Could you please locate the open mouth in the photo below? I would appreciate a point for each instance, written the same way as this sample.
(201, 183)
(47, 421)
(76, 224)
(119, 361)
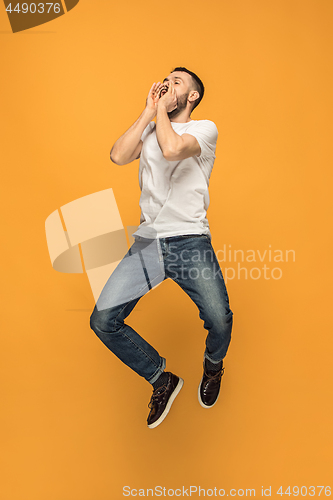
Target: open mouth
(163, 91)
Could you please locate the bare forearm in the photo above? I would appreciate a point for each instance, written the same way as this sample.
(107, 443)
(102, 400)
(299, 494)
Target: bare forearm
(169, 141)
(124, 148)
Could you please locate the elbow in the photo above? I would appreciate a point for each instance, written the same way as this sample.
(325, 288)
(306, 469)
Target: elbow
(113, 156)
(170, 155)
(115, 159)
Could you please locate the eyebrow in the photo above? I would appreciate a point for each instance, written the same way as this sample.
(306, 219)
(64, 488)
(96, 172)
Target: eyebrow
(176, 78)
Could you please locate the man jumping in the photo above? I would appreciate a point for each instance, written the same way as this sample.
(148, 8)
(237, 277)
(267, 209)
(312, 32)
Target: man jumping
(172, 241)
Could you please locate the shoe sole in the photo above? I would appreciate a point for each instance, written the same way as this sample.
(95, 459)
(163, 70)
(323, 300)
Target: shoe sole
(200, 400)
(169, 403)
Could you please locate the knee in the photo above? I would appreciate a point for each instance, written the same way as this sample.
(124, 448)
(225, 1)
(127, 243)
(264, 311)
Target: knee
(223, 318)
(227, 318)
(225, 314)
(94, 321)
(101, 322)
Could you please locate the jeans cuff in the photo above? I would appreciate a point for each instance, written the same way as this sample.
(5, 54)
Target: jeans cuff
(158, 372)
(212, 360)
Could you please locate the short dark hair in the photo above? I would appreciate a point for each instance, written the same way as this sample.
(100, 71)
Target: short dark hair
(199, 86)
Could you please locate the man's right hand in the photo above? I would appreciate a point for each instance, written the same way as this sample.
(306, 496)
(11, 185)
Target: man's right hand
(154, 96)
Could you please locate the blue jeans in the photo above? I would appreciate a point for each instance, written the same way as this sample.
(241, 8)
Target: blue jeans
(188, 260)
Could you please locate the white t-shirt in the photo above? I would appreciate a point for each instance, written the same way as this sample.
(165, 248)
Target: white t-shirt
(174, 194)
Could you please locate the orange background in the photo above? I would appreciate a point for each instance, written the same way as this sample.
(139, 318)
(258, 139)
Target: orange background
(73, 418)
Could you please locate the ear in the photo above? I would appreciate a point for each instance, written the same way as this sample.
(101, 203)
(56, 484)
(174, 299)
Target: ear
(193, 96)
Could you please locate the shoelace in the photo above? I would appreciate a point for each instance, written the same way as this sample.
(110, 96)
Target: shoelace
(156, 394)
(217, 376)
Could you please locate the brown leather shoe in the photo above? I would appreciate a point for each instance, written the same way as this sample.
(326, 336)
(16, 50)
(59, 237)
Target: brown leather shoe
(162, 399)
(209, 387)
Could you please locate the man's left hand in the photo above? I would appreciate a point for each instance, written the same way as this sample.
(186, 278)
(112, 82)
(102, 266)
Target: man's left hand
(169, 99)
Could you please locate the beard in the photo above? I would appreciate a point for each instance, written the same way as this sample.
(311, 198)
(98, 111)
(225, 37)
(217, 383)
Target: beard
(181, 105)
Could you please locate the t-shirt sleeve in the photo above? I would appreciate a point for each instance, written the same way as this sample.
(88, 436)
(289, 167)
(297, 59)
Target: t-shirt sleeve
(205, 132)
(147, 130)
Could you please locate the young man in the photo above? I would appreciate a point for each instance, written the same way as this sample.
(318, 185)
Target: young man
(173, 240)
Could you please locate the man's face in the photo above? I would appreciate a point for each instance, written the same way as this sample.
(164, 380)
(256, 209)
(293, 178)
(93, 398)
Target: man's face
(182, 83)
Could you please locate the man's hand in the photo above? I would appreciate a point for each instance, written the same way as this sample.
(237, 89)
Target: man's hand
(169, 99)
(154, 96)
(174, 147)
(128, 147)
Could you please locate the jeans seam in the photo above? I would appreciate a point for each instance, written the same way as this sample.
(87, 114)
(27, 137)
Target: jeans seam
(134, 343)
(135, 297)
(123, 333)
(151, 282)
(137, 346)
(115, 319)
